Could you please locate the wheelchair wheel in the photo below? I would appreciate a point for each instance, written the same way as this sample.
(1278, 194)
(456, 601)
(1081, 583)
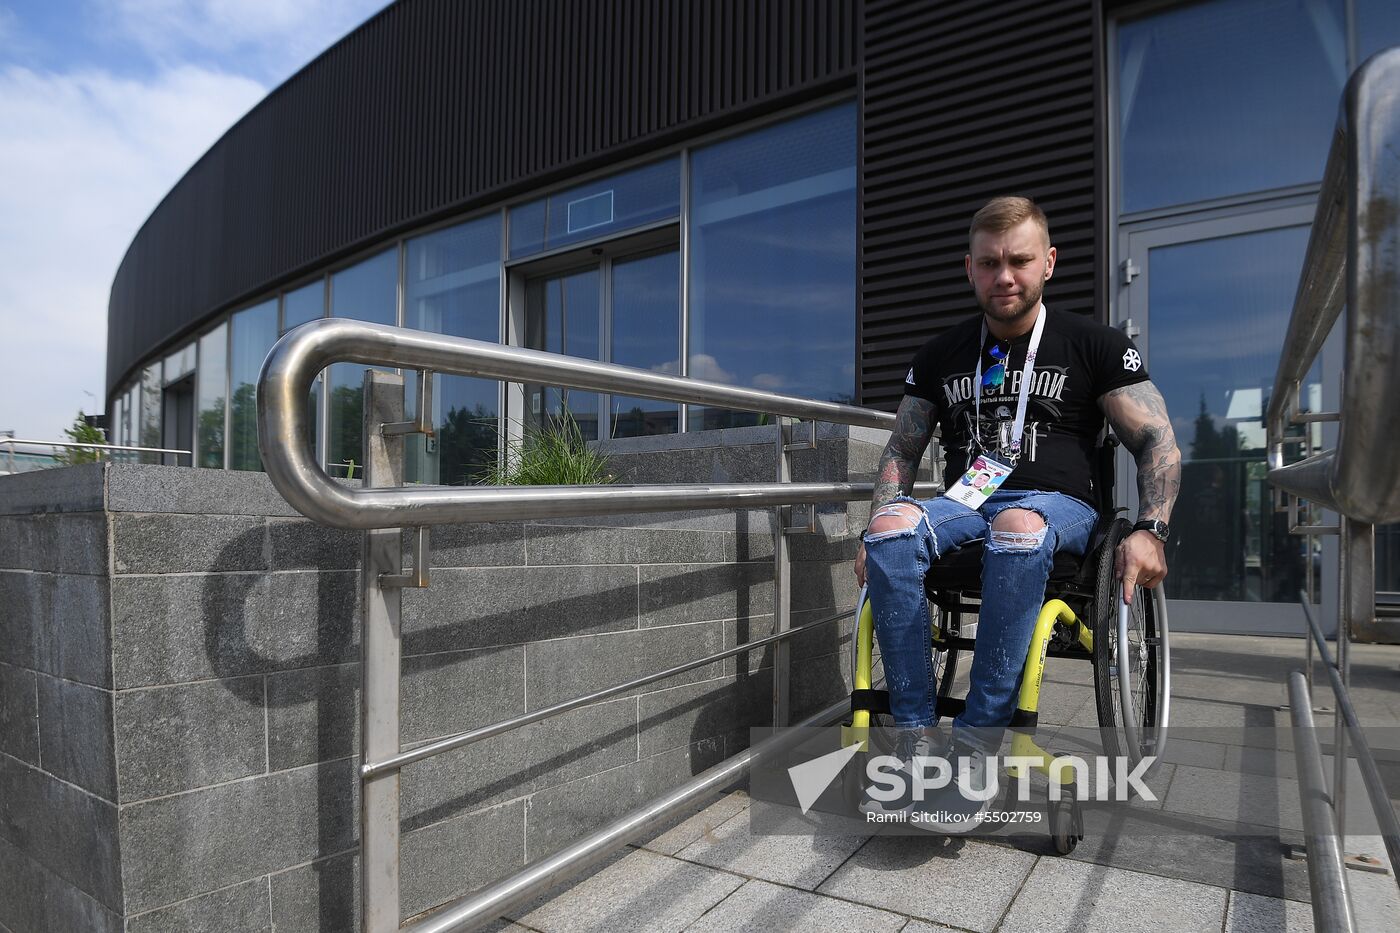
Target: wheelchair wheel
(1066, 822)
(1130, 662)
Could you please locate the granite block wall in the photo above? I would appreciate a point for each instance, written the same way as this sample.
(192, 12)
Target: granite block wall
(179, 679)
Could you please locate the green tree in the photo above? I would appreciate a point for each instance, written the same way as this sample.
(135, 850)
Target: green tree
(81, 433)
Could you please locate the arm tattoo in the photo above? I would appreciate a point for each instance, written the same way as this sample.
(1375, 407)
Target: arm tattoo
(913, 427)
(1138, 415)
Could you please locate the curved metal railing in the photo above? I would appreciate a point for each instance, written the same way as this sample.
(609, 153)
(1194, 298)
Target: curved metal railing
(283, 425)
(1352, 261)
(283, 430)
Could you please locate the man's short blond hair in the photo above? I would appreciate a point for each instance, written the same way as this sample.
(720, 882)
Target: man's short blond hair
(1001, 214)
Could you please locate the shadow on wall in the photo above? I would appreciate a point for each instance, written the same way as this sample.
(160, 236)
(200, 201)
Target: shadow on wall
(237, 646)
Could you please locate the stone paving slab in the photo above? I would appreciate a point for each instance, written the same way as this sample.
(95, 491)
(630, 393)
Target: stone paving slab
(701, 825)
(1226, 795)
(955, 881)
(1062, 895)
(641, 891)
(1251, 913)
(760, 907)
(802, 861)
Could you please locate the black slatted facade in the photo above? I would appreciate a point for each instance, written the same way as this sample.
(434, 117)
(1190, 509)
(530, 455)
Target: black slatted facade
(434, 107)
(962, 101)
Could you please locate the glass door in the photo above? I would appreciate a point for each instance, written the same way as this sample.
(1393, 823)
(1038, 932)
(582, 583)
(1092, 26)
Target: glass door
(1210, 301)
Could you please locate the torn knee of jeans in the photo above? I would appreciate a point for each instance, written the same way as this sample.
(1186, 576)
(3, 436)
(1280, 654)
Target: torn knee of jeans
(1016, 540)
(898, 509)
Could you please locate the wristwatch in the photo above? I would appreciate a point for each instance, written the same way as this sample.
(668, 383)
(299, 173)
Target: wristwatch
(1158, 528)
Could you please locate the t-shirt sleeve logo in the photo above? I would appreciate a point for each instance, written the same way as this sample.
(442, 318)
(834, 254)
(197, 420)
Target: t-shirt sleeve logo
(1131, 361)
(909, 379)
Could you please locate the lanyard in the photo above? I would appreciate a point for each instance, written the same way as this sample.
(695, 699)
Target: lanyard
(1024, 394)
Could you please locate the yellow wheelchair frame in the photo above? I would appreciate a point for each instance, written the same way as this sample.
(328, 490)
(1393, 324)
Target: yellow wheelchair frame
(1066, 821)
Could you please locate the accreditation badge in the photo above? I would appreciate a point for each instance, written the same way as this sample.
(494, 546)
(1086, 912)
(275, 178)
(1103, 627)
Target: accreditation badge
(983, 478)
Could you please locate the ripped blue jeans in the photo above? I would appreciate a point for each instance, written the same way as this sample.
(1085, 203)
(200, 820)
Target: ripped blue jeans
(1015, 567)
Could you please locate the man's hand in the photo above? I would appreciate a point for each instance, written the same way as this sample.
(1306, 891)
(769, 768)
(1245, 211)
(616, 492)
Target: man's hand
(860, 565)
(1141, 558)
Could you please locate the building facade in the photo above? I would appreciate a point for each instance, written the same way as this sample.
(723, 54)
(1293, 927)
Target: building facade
(774, 194)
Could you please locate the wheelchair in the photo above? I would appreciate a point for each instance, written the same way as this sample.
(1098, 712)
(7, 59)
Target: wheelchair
(1082, 617)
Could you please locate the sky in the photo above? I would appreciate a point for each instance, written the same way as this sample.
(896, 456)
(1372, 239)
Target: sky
(104, 105)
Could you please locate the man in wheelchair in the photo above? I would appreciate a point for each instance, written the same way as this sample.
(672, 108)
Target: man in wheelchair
(1020, 394)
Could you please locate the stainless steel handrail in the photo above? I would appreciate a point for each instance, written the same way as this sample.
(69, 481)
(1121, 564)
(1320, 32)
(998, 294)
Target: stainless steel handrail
(282, 431)
(10, 442)
(1326, 870)
(494, 900)
(524, 719)
(1365, 759)
(1353, 256)
(302, 353)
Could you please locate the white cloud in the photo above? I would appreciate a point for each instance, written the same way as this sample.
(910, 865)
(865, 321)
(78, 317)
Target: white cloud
(704, 366)
(86, 157)
(770, 382)
(269, 37)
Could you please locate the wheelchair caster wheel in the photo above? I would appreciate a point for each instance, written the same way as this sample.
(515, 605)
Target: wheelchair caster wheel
(1066, 824)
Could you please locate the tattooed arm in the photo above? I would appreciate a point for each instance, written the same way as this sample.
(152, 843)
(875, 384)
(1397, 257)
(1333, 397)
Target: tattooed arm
(1139, 418)
(913, 427)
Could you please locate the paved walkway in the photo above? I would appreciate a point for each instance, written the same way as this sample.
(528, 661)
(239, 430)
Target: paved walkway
(709, 873)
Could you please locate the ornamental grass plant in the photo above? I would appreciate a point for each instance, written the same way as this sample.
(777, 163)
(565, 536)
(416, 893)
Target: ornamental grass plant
(552, 454)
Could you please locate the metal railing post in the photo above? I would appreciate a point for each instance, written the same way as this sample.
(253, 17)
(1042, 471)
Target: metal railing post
(379, 664)
(782, 583)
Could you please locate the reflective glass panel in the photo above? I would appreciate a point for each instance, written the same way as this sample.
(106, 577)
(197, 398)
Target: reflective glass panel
(307, 303)
(1219, 309)
(179, 363)
(210, 387)
(646, 334)
(773, 262)
(453, 286)
(367, 291)
(607, 206)
(1377, 28)
(561, 316)
(1227, 97)
(130, 433)
(148, 427)
(253, 331)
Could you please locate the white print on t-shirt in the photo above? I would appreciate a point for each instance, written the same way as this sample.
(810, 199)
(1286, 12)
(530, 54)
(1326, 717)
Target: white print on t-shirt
(1049, 385)
(1131, 361)
(910, 378)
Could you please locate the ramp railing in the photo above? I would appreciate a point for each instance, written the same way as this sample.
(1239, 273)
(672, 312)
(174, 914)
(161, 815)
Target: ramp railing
(382, 508)
(1352, 261)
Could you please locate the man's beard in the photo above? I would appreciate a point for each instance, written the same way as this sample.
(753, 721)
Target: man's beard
(1028, 303)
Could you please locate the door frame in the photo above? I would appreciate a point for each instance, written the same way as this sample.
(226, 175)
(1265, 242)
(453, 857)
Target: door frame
(1135, 241)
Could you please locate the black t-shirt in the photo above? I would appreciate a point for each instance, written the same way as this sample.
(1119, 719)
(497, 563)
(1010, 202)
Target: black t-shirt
(1078, 361)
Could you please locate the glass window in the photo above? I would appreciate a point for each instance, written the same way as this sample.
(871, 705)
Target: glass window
(148, 427)
(253, 332)
(1226, 98)
(367, 291)
(211, 378)
(130, 435)
(607, 206)
(773, 262)
(562, 316)
(646, 334)
(307, 303)
(179, 364)
(453, 286)
(1227, 543)
(1377, 28)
